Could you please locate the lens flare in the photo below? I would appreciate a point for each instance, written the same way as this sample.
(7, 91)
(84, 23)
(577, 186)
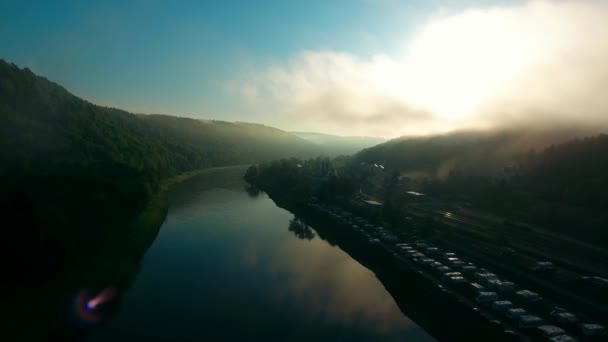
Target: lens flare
(102, 297)
(88, 308)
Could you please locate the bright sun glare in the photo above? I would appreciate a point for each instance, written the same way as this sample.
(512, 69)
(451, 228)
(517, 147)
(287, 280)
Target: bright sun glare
(456, 63)
(474, 68)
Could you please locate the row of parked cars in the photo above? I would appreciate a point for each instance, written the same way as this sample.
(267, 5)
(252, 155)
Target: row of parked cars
(515, 305)
(374, 234)
(503, 297)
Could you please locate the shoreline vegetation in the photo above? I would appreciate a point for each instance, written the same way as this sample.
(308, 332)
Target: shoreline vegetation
(151, 218)
(43, 309)
(452, 316)
(75, 174)
(502, 246)
(155, 211)
(165, 186)
(400, 282)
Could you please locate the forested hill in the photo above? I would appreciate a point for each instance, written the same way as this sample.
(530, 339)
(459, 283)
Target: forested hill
(478, 152)
(41, 117)
(69, 167)
(429, 153)
(545, 178)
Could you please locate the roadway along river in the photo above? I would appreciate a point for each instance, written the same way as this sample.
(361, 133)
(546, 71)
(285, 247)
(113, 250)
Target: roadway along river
(226, 265)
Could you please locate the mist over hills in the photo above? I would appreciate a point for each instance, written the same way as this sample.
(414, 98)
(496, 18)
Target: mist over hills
(36, 107)
(335, 145)
(71, 168)
(480, 151)
(553, 178)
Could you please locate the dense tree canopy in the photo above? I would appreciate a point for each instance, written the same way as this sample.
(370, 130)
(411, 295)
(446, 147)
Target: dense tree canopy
(564, 187)
(72, 172)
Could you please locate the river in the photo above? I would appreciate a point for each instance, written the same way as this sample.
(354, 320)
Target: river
(228, 264)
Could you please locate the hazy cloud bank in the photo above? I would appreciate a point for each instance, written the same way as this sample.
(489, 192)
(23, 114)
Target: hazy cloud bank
(541, 63)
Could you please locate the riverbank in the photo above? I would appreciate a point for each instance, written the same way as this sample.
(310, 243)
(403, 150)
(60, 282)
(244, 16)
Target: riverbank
(447, 313)
(166, 185)
(214, 241)
(44, 310)
(154, 213)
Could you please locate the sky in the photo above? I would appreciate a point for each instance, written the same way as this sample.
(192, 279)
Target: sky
(349, 67)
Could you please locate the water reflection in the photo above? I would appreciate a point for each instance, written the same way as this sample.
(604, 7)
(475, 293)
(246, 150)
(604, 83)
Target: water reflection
(301, 230)
(325, 282)
(252, 190)
(225, 268)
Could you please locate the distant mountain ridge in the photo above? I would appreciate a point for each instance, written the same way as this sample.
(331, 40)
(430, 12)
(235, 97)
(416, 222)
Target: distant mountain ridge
(335, 145)
(33, 106)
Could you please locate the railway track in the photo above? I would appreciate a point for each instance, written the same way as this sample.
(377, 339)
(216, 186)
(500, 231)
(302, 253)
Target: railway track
(532, 243)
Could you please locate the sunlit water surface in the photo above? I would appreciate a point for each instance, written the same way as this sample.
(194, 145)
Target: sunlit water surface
(226, 266)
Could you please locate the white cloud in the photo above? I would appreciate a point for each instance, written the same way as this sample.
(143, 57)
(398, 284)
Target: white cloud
(472, 68)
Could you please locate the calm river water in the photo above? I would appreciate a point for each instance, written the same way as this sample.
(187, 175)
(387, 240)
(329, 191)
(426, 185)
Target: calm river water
(226, 265)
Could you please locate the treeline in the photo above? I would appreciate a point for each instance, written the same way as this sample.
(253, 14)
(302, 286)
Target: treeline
(434, 155)
(72, 172)
(572, 173)
(299, 180)
(562, 186)
(575, 172)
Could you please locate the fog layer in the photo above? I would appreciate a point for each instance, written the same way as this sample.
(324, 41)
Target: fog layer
(541, 64)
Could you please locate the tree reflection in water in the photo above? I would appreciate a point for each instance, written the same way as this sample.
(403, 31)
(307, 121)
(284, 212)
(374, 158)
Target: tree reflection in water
(252, 190)
(301, 230)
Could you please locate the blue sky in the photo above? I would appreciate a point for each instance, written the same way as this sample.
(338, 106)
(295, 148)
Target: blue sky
(175, 55)
(184, 57)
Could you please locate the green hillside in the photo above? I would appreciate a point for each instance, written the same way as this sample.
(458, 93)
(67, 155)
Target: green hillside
(69, 168)
(548, 178)
(479, 152)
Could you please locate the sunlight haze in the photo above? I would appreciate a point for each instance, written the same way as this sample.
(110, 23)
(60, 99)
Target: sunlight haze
(372, 68)
(304, 170)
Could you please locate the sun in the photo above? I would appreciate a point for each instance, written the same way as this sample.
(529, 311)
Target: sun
(455, 64)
